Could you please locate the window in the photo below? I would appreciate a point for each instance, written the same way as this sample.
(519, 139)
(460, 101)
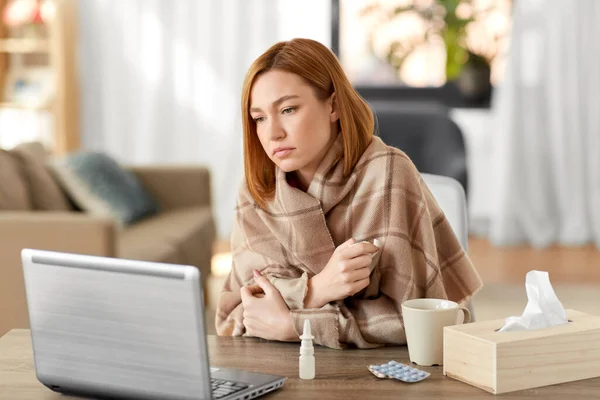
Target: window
(441, 46)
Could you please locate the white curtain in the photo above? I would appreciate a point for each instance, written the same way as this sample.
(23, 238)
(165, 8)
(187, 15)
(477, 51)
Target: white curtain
(160, 82)
(547, 128)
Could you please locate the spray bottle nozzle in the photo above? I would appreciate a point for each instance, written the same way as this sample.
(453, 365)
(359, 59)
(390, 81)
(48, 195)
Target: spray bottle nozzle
(306, 334)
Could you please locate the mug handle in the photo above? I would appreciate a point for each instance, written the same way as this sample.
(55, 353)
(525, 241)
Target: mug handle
(467, 315)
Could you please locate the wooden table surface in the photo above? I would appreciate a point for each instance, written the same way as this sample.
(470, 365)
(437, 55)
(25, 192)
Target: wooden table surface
(340, 374)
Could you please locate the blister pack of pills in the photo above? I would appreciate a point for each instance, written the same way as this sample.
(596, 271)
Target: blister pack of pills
(399, 371)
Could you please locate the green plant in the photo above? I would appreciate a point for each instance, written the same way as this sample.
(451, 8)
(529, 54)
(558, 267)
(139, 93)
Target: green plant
(445, 20)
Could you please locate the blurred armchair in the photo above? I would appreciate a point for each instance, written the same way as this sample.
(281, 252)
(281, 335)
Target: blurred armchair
(426, 133)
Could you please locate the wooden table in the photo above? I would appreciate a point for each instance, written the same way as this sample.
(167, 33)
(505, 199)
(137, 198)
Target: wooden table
(340, 374)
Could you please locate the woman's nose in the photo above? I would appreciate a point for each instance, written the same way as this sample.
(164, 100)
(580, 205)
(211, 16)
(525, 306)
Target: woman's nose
(276, 131)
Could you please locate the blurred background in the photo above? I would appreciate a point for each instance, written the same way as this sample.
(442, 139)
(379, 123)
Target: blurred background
(502, 95)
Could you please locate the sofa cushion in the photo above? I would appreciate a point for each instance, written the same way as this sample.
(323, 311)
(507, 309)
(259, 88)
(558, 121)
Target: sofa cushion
(14, 194)
(99, 185)
(45, 192)
(147, 248)
(187, 232)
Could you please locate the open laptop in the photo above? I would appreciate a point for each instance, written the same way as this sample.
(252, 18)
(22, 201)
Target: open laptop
(112, 328)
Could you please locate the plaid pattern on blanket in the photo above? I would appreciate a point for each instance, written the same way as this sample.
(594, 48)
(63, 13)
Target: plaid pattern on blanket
(291, 240)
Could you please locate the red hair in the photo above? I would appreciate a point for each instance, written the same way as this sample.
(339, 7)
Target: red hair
(319, 67)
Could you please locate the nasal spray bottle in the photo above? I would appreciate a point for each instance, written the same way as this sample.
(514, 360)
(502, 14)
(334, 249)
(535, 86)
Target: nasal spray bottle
(307, 353)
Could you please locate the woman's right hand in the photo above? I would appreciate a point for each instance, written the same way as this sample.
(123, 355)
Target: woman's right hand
(346, 274)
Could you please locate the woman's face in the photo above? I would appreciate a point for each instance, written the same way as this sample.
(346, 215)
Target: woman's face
(295, 127)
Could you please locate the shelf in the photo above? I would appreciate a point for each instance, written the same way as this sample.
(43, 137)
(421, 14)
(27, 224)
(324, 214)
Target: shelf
(24, 46)
(47, 58)
(17, 106)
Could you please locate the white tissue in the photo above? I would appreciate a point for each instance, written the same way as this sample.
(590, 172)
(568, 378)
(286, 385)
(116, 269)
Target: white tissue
(543, 307)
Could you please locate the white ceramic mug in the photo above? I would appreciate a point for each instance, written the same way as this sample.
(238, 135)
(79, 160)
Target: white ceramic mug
(424, 322)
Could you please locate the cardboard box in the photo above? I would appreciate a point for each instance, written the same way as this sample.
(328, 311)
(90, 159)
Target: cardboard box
(501, 362)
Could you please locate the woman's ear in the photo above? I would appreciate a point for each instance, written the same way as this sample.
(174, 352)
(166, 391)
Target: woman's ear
(335, 113)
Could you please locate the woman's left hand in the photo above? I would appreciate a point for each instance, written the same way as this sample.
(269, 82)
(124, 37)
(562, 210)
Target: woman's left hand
(265, 313)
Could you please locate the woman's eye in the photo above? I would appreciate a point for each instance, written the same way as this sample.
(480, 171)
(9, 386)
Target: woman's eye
(259, 119)
(288, 110)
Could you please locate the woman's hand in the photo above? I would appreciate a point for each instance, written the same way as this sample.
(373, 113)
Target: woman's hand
(265, 313)
(346, 274)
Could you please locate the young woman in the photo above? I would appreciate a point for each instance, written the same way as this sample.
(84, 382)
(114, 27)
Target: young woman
(319, 188)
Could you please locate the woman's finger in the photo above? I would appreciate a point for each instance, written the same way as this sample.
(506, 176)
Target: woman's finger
(359, 274)
(359, 249)
(359, 262)
(254, 289)
(246, 295)
(346, 244)
(360, 285)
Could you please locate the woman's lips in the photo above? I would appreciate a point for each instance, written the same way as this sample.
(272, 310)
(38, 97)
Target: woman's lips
(280, 153)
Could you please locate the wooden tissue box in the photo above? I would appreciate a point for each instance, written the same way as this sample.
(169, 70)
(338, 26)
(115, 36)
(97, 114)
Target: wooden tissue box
(501, 362)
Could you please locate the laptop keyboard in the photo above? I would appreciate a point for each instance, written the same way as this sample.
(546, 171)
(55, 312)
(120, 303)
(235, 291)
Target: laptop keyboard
(221, 388)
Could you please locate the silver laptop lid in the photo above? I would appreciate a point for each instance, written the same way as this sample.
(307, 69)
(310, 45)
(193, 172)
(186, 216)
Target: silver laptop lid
(116, 327)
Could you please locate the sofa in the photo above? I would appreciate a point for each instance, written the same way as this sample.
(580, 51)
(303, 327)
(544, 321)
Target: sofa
(36, 212)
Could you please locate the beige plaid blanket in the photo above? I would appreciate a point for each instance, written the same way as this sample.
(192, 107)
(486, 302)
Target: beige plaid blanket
(384, 198)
